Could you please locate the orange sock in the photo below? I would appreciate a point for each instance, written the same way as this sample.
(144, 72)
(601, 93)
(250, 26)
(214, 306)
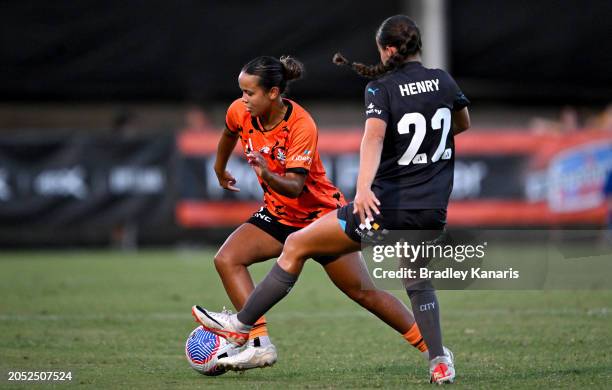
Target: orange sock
(259, 328)
(413, 336)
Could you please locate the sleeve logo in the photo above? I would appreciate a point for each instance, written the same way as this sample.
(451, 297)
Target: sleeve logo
(303, 157)
(371, 109)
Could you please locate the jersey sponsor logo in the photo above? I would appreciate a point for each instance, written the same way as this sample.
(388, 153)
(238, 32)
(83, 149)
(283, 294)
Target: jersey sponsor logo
(419, 87)
(373, 91)
(263, 216)
(302, 158)
(371, 109)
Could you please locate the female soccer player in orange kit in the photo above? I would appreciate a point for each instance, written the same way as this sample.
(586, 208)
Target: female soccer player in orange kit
(279, 139)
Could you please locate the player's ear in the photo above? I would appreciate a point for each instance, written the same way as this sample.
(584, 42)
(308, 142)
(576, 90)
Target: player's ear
(273, 93)
(391, 50)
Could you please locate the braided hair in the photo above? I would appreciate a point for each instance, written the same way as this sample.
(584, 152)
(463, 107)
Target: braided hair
(398, 31)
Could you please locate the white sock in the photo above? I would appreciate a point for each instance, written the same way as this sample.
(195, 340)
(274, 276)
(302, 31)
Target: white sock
(264, 341)
(425, 355)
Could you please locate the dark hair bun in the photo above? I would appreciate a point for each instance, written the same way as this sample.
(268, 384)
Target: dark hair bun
(340, 60)
(293, 68)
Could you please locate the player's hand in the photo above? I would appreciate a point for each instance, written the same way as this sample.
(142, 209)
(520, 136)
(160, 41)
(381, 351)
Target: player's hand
(227, 181)
(258, 162)
(366, 205)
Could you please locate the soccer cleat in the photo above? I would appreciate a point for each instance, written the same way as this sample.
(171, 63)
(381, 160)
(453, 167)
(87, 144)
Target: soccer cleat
(224, 324)
(442, 368)
(250, 357)
(447, 352)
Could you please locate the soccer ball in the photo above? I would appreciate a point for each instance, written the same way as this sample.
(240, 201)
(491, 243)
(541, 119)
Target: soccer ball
(204, 348)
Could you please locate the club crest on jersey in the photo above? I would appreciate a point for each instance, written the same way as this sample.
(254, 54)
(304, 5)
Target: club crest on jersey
(373, 91)
(280, 155)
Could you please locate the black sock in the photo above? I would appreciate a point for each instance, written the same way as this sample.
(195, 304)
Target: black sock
(427, 315)
(274, 287)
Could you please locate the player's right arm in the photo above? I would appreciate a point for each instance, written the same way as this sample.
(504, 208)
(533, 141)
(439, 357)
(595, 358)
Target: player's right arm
(226, 146)
(377, 116)
(460, 103)
(365, 202)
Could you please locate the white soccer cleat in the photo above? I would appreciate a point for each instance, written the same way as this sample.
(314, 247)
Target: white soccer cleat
(442, 368)
(250, 357)
(447, 352)
(224, 324)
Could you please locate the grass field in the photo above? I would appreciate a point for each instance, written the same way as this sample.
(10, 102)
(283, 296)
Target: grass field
(118, 320)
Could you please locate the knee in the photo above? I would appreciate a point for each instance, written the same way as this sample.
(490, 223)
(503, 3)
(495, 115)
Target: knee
(365, 298)
(294, 254)
(223, 261)
(292, 249)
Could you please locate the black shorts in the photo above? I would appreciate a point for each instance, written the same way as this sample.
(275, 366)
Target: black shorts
(430, 222)
(269, 224)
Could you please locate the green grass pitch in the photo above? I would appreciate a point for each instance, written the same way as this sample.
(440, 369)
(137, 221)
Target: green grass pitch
(120, 320)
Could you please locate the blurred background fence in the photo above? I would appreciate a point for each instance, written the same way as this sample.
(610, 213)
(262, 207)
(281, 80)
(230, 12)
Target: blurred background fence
(110, 111)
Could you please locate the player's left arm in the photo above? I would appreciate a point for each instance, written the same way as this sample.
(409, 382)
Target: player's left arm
(461, 120)
(301, 147)
(460, 103)
(289, 185)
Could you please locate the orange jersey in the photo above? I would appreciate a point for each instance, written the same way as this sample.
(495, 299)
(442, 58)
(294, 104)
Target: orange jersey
(290, 146)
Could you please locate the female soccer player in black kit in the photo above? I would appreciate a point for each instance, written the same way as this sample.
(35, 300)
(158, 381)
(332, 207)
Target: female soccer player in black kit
(405, 180)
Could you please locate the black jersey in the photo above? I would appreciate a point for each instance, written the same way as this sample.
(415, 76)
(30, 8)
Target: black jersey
(417, 161)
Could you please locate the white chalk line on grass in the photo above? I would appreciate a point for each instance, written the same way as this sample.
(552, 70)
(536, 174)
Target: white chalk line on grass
(600, 312)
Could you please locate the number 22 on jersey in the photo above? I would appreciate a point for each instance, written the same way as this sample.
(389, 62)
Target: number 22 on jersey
(440, 120)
